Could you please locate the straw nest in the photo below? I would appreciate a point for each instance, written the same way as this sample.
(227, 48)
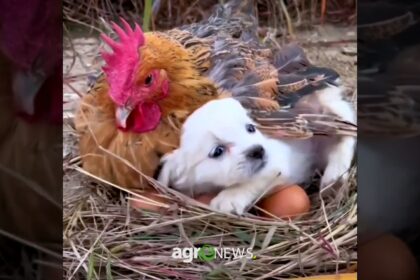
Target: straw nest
(104, 238)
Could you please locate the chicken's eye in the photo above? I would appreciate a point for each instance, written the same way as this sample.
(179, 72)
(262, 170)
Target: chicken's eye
(250, 128)
(217, 151)
(149, 79)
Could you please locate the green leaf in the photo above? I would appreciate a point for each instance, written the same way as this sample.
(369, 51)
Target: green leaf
(91, 266)
(147, 15)
(247, 238)
(218, 273)
(108, 270)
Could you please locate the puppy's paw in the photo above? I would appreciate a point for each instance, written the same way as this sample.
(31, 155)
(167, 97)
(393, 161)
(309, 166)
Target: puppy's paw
(232, 201)
(334, 172)
(339, 162)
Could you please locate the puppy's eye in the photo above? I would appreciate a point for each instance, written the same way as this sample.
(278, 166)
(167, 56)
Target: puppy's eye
(149, 79)
(250, 128)
(217, 151)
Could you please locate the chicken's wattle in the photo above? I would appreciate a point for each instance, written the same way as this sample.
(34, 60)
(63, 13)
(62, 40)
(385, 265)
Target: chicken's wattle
(145, 117)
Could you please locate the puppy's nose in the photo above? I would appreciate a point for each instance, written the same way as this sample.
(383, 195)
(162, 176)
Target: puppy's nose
(256, 152)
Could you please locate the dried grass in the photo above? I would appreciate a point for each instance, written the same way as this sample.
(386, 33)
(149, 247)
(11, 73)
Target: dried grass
(104, 235)
(106, 239)
(165, 14)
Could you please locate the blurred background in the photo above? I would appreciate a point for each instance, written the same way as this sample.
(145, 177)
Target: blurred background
(388, 139)
(31, 139)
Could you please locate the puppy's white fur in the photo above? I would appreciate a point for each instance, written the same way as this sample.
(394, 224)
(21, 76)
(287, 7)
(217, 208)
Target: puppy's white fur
(189, 169)
(334, 153)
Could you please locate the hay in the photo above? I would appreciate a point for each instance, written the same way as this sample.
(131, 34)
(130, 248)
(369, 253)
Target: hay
(102, 234)
(105, 239)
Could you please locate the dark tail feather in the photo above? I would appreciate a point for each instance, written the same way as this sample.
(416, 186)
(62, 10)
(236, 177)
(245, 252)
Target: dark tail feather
(244, 11)
(290, 58)
(292, 87)
(284, 124)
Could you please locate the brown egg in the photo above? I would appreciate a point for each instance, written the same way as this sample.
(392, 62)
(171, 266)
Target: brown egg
(205, 198)
(289, 202)
(143, 204)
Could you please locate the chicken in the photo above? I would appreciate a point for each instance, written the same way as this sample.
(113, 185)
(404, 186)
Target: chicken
(153, 81)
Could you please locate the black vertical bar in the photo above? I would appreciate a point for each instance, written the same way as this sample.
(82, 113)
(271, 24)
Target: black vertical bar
(388, 139)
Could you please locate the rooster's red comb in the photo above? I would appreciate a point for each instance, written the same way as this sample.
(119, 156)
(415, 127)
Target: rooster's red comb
(122, 62)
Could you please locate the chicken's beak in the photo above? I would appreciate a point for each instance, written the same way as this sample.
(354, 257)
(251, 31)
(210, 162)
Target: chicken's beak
(122, 115)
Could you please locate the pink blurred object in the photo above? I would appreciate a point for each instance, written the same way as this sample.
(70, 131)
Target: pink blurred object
(31, 38)
(30, 31)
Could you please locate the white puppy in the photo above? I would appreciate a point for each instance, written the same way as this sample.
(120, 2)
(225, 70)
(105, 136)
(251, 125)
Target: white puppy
(221, 149)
